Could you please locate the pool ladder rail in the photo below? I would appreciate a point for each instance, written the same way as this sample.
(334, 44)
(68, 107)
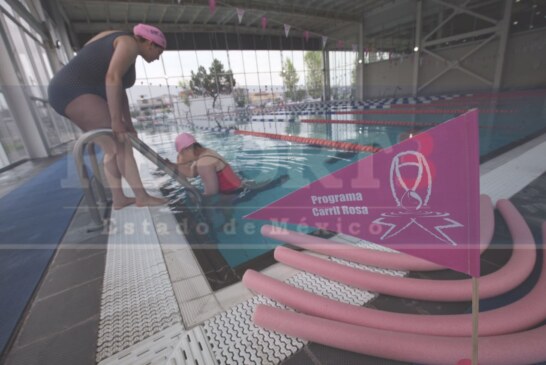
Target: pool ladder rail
(94, 188)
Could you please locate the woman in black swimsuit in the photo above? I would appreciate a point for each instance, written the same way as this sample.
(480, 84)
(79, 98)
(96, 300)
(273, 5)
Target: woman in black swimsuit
(90, 91)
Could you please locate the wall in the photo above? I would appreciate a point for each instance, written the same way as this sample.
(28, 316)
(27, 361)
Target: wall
(524, 68)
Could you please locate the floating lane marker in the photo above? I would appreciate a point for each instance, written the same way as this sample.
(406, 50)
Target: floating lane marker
(314, 141)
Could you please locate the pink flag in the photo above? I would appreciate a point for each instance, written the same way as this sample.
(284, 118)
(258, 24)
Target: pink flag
(212, 6)
(240, 13)
(420, 196)
(286, 30)
(340, 44)
(306, 35)
(264, 22)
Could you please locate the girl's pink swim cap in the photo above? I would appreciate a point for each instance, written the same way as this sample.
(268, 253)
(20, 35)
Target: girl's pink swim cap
(150, 33)
(184, 140)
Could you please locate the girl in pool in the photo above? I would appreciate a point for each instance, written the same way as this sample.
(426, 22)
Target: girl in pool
(216, 173)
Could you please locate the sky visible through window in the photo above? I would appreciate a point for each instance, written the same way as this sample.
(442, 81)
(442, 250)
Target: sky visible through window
(253, 70)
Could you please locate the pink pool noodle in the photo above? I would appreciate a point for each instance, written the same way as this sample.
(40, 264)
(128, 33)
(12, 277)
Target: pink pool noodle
(506, 278)
(517, 348)
(517, 316)
(391, 260)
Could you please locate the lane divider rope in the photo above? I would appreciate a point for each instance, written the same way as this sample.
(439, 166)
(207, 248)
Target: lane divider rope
(314, 141)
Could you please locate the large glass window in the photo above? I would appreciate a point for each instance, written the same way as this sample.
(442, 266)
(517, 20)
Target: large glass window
(28, 48)
(262, 79)
(342, 74)
(12, 148)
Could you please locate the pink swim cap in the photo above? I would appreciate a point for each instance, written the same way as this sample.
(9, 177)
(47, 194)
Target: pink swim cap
(183, 140)
(150, 33)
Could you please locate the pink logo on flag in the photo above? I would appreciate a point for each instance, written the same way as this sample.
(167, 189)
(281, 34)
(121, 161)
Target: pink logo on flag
(212, 6)
(420, 197)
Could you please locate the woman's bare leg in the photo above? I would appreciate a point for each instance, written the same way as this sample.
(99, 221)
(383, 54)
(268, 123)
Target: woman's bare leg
(127, 165)
(113, 174)
(91, 112)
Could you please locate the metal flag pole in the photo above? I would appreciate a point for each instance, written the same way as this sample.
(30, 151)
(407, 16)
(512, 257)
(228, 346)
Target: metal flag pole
(475, 316)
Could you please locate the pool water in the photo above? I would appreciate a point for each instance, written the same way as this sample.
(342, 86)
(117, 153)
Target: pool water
(239, 240)
(504, 123)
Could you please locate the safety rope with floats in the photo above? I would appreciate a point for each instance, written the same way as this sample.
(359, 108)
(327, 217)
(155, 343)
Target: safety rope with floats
(314, 141)
(370, 122)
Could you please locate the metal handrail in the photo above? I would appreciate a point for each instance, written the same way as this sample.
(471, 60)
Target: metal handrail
(87, 140)
(93, 201)
(163, 164)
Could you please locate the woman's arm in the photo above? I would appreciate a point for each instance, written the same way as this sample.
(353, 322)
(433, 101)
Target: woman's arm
(127, 120)
(207, 171)
(125, 54)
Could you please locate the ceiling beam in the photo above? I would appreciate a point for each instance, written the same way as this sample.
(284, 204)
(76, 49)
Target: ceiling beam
(197, 13)
(96, 27)
(260, 6)
(181, 11)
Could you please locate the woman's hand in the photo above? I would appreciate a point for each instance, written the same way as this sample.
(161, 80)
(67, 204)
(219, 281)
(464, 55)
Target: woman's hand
(131, 130)
(120, 131)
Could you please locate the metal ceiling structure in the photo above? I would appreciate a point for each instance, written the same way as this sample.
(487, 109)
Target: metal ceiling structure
(387, 25)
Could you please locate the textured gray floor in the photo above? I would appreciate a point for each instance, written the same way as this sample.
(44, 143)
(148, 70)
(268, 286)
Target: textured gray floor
(60, 327)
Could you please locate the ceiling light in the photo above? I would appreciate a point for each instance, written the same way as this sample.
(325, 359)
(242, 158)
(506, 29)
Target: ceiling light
(360, 60)
(515, 22)
(415, 49)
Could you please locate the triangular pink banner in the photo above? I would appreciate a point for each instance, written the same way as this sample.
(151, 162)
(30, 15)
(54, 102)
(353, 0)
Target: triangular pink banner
(306, 35)
(240, 13)
(420, 197)
(212, 6)
(340, 44)
(286, 30)
(264, 22)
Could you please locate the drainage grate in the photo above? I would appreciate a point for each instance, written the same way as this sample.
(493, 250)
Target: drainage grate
(154, 350)
(234, 339)
(137, 298)
(192, 349)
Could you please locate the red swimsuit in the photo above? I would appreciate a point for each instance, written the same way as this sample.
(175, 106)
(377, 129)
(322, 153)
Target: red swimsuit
(228, 181)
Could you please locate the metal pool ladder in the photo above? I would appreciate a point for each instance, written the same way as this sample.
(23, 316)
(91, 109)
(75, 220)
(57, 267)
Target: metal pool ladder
(94, 189)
